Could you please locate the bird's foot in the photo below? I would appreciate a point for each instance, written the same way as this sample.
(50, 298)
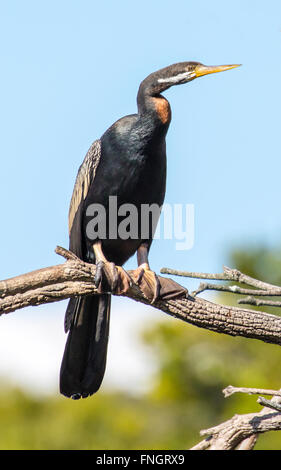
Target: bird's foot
(156, 287)
(147, 281)
(111, 278)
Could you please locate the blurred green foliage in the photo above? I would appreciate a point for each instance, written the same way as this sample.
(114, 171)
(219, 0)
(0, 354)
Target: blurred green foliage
(192, 366)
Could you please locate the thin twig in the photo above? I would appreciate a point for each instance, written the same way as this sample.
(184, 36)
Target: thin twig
(259, 302)
(269, 404)
(228, 274)
(248, 444)
(233, 289)
(66, 253)
(195, 275)
(228, 391)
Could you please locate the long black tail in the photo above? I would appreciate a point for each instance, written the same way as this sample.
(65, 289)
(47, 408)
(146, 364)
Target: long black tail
(84, 359)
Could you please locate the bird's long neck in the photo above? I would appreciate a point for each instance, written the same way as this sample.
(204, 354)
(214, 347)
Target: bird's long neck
(152, 105)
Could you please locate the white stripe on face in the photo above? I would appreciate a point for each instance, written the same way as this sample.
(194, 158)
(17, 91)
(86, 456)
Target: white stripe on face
(178, 78)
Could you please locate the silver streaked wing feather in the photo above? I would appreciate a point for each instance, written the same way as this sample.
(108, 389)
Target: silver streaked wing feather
(85, 177)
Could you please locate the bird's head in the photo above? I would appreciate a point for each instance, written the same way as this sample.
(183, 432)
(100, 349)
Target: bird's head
(149, 95)
(186, 71)
(180, 73)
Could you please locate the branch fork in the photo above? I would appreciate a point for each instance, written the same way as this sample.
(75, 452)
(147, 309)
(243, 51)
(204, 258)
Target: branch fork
(241, 431)
(261, 288)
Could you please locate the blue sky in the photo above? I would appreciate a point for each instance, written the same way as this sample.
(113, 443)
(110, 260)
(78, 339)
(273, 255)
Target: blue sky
(70, 69)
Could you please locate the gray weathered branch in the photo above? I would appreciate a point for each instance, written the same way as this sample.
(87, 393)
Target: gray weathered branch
(261, 289)
(228, 274)
(75, 277)
(241, 431)
(228, 391)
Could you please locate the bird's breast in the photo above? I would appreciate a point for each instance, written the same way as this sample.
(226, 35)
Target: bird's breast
(133, 161)
(132, 168)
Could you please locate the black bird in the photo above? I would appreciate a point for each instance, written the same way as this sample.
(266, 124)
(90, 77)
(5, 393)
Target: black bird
(128, 161)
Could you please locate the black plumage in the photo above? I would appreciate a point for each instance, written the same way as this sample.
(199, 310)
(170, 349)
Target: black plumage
(128, 161)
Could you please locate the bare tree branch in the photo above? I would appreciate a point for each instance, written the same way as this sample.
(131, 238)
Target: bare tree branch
(241, 431)
(269, 404)
(259, 302)
(229, 274)
(260, 288)
(250, 391)
(75, 277)
(233, 289)
(248, 444)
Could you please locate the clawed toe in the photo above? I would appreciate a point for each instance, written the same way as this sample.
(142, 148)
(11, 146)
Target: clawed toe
(156, 287)
(148, 282)
(124, 281)
(111, 278)
(98, 274)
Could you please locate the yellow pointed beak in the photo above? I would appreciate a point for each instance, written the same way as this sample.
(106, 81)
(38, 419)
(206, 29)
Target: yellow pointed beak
(201, 69)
